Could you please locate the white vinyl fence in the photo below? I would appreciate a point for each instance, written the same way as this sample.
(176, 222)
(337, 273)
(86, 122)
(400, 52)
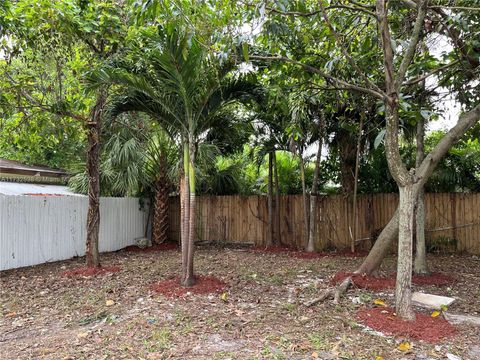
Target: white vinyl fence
(40, 229)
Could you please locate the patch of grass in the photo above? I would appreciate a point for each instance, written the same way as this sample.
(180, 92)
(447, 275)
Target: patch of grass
(274, 279)
(290, 307)
(223, 355)
(160, 339)
(94, 317)
(319, 340)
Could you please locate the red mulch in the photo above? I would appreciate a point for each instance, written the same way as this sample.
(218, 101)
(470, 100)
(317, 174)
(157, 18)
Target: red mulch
(203, 285)
(90, 271)
(154, 248)
(316, 255)
(375, 284)
(425, 327)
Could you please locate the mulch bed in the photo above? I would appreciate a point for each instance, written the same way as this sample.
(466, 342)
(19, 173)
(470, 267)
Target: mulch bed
(153, 248)
(424, 328)
(90, 271)
(376, 283)
(203, 285)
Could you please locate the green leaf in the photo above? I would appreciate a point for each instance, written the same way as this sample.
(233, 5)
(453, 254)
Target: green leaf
(379, 138)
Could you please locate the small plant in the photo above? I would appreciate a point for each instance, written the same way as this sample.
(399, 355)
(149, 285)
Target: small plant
(442, 245)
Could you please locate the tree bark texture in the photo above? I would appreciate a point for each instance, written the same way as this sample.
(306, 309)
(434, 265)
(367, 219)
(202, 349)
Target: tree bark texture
(314, 190)
(420, 266)
(306, 210)
(188, 278)
(270, 238)
(346, 149)
(403, 292)
(160, 211)
(93, 172)
(278, 234)
(355, 188)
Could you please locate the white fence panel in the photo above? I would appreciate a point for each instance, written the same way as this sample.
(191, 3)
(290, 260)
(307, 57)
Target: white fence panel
(37, 229)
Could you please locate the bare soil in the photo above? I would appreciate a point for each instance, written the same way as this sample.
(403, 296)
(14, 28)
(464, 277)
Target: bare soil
(260, 315)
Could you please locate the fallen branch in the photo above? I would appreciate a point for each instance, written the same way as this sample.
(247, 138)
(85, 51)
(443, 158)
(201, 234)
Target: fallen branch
(327, 294)
(342, 289)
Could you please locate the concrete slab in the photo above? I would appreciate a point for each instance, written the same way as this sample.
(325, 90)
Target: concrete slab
(462, 319)
(430, 301)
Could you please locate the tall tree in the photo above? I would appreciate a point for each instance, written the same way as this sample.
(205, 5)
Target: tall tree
(185, 95)
(68, 30)
(400, 71)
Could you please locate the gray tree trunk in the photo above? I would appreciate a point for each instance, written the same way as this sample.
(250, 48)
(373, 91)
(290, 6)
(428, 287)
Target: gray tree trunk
(306, 210)
(270, 201)
(314, 191)
(420, 266)
(278, 234)
(403, 292)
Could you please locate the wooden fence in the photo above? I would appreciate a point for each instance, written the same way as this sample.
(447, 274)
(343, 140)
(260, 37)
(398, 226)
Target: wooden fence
(452, 220)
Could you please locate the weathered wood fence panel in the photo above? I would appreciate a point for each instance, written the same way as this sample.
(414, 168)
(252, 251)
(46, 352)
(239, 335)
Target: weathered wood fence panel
(452, 220)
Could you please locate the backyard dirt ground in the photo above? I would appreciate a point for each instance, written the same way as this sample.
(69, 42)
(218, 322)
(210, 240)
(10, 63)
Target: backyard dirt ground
(260, 315)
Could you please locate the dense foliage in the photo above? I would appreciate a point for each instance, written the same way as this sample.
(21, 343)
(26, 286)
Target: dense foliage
(55, 54)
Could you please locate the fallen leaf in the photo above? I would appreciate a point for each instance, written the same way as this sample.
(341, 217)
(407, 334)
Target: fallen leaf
(82, 335)
(379, 358)
(435, 314)
(109, 302)
(315, 355)
(224, 296)
(404, 346)
(12, 314)
(379, 302)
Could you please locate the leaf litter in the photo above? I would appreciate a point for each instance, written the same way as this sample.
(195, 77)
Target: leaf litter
(44, 314)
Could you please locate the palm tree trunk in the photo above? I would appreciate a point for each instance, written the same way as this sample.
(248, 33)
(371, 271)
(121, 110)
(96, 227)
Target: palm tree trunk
(186, 210)
(278, 235)
(270, 201)
(93, 171)
(189, 277)
(160, 214)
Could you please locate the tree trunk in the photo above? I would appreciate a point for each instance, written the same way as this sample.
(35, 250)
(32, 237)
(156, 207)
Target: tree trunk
(355, 187)
(189, 276)
(390, 231)
(403, 292)
(93, 172)
(381, 247)
(346, 147)
(306, 210)
(420, 266)
(160, 214)
(278, 234)
(186, 210)
(313, 191)
(270, 201)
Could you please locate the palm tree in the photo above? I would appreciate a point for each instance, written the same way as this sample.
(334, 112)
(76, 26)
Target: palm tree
(183, 87)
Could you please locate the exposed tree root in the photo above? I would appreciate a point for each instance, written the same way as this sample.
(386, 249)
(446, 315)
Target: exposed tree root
(335, 293)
